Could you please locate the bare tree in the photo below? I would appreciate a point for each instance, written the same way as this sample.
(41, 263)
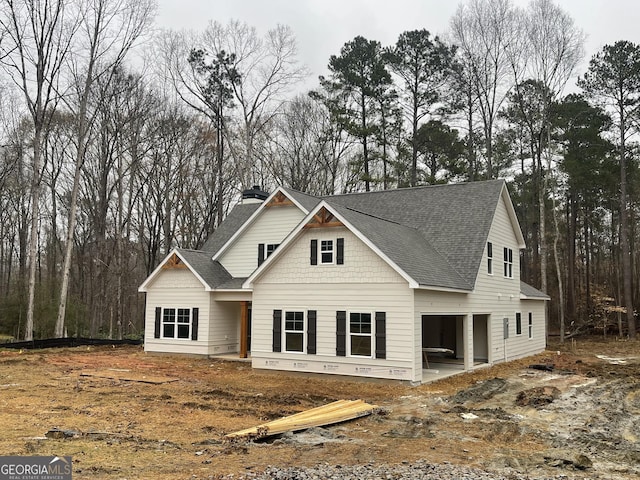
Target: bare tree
(36, 42)
(268, 68)
(483, 31)
(109, 29)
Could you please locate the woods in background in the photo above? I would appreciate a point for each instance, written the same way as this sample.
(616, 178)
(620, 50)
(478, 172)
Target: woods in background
(107, 162)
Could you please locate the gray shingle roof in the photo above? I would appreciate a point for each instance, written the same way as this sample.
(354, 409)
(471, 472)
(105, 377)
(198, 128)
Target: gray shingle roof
(436, 234)
(307, 201)
(230, 225)
(454, 219)
(407, 248)
(531, 292)
(213, 273)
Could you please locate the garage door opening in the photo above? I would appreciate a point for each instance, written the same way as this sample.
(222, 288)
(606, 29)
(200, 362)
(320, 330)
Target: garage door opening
(442, 341)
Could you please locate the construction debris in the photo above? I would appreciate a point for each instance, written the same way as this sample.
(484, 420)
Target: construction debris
(335, 412)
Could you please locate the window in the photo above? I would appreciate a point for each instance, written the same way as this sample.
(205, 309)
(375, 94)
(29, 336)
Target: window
(489, 258)
(326, 251)
(518, 323)
(329, 252)
(262, 254)
(294, 332)
(508, 262)
(360, 330)
(271, 247)
(176, 323)
(530, 325)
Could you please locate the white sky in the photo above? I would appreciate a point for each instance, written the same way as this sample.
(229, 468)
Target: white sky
(323, 26)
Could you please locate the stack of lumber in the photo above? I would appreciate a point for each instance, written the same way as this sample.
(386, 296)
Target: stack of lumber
(335, 412)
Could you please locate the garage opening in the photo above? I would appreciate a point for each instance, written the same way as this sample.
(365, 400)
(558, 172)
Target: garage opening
(442, 341)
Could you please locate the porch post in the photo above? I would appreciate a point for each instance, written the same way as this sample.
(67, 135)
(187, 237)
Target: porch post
(244, 328)
(467, 333)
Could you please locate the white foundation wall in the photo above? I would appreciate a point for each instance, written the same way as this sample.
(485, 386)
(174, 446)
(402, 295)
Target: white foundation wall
(177, 288)
(271, 226)
(365, 283)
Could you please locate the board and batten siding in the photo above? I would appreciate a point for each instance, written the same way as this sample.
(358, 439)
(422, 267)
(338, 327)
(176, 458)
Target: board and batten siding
(271, 226)
(364, 283)
(177, 288)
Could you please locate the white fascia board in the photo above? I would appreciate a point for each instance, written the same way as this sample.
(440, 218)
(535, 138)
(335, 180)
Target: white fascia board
(525, 297)
(443, 289)
(145, 285)
(252, 218)
(513, 217)
(290, 238)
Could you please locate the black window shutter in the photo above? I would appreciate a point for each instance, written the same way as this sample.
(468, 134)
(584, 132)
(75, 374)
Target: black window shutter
(340, 251)
(156, 331)
(311, 332)
(381, 335)
(260, 253)
(314, 252)
(341, 333)
(194, 324)
(277, 330)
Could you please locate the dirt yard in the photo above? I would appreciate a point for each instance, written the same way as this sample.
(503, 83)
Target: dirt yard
(581, 419)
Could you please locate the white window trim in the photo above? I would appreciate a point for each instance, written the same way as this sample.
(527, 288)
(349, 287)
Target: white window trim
(371, 335)
(268, 253)
(303, 331)
(175, 323)
(506, 263)
(518, 314)
(334, 242)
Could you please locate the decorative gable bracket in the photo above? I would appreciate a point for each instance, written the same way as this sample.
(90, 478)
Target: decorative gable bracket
(174, 262)
(279, 200)
(323, 219)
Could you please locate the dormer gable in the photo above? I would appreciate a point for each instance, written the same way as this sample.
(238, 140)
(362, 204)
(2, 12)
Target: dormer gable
(261, 234)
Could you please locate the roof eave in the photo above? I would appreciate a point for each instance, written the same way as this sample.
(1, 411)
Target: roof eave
(527, 297)
(438, 288)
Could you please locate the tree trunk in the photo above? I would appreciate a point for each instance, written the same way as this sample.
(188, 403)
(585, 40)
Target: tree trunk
(625, 254)
(33, 240)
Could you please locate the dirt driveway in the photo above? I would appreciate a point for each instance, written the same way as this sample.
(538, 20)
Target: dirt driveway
(165, 417)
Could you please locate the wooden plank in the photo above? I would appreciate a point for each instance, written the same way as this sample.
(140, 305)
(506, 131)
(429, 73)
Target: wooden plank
(336, 412)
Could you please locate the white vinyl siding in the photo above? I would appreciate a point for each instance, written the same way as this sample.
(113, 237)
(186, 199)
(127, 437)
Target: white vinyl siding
(271, 226)
(364, 284)
(361, 264)
(177, 289)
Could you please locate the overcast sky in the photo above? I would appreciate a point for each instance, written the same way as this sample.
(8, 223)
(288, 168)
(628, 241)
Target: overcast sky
(323, 26)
